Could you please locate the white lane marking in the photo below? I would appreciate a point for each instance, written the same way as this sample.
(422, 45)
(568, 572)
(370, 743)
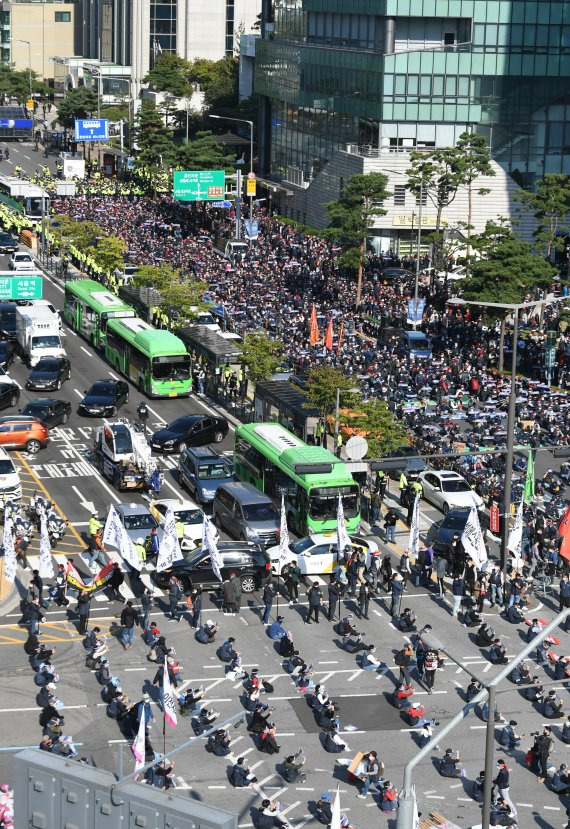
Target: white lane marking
(245, 753)
(89, 353)
(217, 787)
(256, 765)
(435, 797)
(527, 805)
(96, 474)
(293, 806)
(156, 414)
(355, 675)
(261, 782)
(114, 376)
(78, 393)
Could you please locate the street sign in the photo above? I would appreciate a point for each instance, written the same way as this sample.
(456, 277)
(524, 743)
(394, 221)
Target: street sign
(23, 286)
(199, 185)
(18, 123)
(221, 204)
(251, 228)
(494, 519)
(30, 103)
(91, 129)
(250, 187)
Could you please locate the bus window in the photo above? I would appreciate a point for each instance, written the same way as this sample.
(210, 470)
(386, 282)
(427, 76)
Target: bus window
(323, 503)
(171, 368)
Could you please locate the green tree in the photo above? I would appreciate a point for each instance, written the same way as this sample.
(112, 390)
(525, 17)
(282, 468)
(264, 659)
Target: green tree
(351, 216)
(16, 83)
(68, 231)
(218, 81)
(261, 355)
(151, 276)
(156, 149)
(109, 252)
(78, 103)
(183, 297)
(169, 74)
(473, 159)
(383, 432)
(550, 205)
(322, 388)
(204, 153)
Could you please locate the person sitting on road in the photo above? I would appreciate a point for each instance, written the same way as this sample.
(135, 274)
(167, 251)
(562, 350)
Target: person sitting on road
(304, 681)
(219, 743)
(295, 664)
(498, 717)
(354, 645)
(345, 627)
(502, 814)
(560, 782)
(472, 618)
(485, 636)
(498, 653)
(520, 674)
(267, 741)
(448, 765)
(369, 660)
(206, 633)
(508, 737)
(286, 646)
(276, 630)
(565, 732)
(293, 765)
(240, 775)
(259, 719)
(552, 706)
(190, 702)
(534, 692)
(472, 690)
(515, 615)
(269, 816)
(534, 630)
(478, 787)
(407, 621)
(151, 634)
(333, 742)
(320, 698)
(561, 667)
(327, 717)
(388, 797)
(227, 651)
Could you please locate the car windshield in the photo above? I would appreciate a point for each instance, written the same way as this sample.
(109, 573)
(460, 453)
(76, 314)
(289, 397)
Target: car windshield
(140, 521)
(455, 521)
(47, 342)
(6, 467)
(179, 426)
(211, 471)
(47, 365)
(101, 390)
(189, 516)
(455, 486)
(419, 344)
(35, 409)
(300, 546)
(260, 512)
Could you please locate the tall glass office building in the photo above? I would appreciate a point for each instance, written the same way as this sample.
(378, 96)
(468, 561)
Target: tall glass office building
(406, 74)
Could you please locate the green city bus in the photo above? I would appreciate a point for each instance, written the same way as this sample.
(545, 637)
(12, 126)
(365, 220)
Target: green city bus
(156, 361)
(88, 306)
(277, 462)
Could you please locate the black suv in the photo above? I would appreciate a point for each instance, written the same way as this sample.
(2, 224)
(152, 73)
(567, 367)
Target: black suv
(249, 561)
(439, 535)
(189, 430)
(104, 398)
(7, 243)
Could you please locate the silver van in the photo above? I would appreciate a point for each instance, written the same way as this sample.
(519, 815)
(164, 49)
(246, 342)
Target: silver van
(246, 513)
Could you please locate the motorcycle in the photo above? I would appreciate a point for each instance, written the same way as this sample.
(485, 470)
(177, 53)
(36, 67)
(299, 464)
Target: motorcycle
(56, 526)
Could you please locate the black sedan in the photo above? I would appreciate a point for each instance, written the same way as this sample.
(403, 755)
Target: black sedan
(7, 243)
(9, 394)
(104, 398)
(439, 535)
(191, 430)
(50, 411)
(7, 354)
(391, 275)
(49, 373)
(8, 321)
(249, 561)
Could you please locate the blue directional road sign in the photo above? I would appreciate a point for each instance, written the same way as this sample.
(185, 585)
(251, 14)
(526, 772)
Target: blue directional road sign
(91, 129)
(221, 204)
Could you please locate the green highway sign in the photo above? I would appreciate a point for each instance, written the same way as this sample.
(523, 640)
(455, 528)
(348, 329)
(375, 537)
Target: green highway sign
(20, 286)
(199, 185)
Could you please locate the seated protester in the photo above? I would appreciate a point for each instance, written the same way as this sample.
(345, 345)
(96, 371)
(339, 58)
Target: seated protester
(53, 729)
(320, 698)
(478, 787)
(269, 816)
(206, 717)
(103, 672)
(354, 645)
(40, 655)
(448, 765)
(565, 732)
(45, 673)
(326, 717)
(333, 742)
(251, 699)
(50, 713)
(534, 630)
(46, 744)
(369, 660)
(407, 620)
(389, 797)
(520, 674)
(425, 734)
(226, 652)
(542, 654)
(345, 626)
(501, 814)
(235, 670)
(498, 653)
(161, 776)
(286, 647)
(276, 630)
(514, 615)
(508, 737)
(268, 743)
(472, 690)
(151, 634)
(472, 618)
(498, 717)
(90, 641)
(534, 692)
(259, 719)
(112, 689)
(560, 782)
(64, 747)
(47, 695)
(293, 765)
(304, 681)
(190, 701)
(118, 706)
(219, 743)
(415, 713)
(485, 636)
(562, 668)
(552, 706)
(240, 775)
(295, 664)
(206, 633)
(253, 682)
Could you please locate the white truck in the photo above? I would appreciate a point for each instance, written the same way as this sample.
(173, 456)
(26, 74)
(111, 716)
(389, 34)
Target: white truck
(38, 333)
(122, 455)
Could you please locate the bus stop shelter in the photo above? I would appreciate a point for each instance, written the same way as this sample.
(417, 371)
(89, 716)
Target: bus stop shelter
(281, 401)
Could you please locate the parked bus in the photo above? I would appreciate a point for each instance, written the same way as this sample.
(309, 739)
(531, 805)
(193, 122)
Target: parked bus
(88, 306)
(155, 360)
(24, 197)
(311, 478)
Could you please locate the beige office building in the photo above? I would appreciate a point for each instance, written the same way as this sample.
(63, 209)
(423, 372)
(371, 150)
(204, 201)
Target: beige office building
(33, 32)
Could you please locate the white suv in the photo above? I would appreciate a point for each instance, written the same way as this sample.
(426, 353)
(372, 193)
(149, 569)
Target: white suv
(22, 261)
(10, 484)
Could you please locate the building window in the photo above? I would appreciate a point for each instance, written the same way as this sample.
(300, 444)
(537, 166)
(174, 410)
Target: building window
(424, 198)
(63, 17)
(449, 38)
(400, 194)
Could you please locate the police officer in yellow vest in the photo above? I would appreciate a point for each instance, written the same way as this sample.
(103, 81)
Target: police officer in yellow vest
(403, 485)
(140, 549)
(338, 444)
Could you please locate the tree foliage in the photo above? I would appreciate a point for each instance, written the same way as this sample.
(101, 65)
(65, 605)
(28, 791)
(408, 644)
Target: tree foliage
(204, 153)
(68, 231)
(183, 297)
(218, 81)
(550, 205)
(350, 216)
(78, 103)
(153, 139)
(261, 355)
(108, 252)
(16, 83)
(384, 433)
(169, 74)
(322, 388)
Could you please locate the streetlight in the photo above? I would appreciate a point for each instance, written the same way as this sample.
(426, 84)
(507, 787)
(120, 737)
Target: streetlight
(19, 40)
(238, 176)
(515, 308)
(240, 121)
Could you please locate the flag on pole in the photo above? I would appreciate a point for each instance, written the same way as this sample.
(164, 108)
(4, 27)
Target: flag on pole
(414, 539)
(340, 333)
(46, 561)
(169, 549)
(9, 550)
(169, 701)
(283, 536)
(415, 815)
(564, 531)
(314, 328)
(329, 336)
(342, 536)
(336, 816)
(115, 535)
(528, 495)
(472, 539)
(514, 543)
(138, 746)
(211, 546)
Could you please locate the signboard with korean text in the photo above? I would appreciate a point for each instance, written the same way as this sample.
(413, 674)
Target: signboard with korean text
(199, 185)
(20, 286)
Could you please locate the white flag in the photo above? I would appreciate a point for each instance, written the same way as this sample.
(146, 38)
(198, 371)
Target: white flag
(342, 537)
(138, 745)
(9, 550)
(169, 701)
(415, 816)
(46, 561)
(169, 550)
(515, 535)
(115, 535)
(472, 539)
(283, 534)
(336, 819)
(414, 539)
(211, 546)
